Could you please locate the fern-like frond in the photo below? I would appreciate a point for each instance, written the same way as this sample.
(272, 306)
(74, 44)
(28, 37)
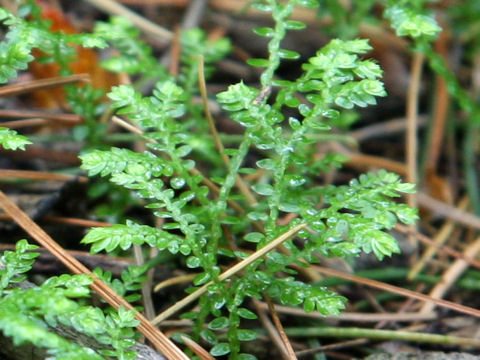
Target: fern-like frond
(11, 140)
(124, 236)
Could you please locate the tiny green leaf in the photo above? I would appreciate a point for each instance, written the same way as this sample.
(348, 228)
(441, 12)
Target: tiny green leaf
(258, 62)
(247, 335)
(295, 25)
(308, 3)
(218, 323)
(264, 31)
(254, 237)
(10, 140)
(220, 349)
(288, 54)
(263, 189)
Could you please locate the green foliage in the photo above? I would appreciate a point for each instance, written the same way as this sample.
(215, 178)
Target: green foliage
(123, 236)
(24, 36)
(16, 51)
(11, 140)
(342, 220)
(28, 315)
(129, 284)
(280, 11)
(119, 334)
(409, 18)
(135, 56)
(15, 263)
(200, 222)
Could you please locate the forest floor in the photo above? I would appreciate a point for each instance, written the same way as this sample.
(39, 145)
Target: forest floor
(417, 131)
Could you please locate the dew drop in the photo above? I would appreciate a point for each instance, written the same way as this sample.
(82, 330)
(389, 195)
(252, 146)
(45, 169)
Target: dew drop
(177, 183)
(295, 181)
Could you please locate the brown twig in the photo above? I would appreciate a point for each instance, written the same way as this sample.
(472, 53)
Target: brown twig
(400, 291)
(175, 51)
(47, 154)
(407, 304)
(386, 128)
(440, 238)
(271, 330)
(19, 124)
(349, 316)
(361, 161)
(451, 275)
(280, 329)
(39, 175)
(194, 14)
(197, 349)
(440, 110)
(22, 114)
(65, 221)
(412, 115)
(446, 249)
(448, 211)
(26, 87)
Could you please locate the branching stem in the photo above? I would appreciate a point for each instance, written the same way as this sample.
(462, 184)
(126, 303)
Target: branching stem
(228, 273)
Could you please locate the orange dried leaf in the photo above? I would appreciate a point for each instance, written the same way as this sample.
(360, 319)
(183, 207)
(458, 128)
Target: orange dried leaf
(87, 62)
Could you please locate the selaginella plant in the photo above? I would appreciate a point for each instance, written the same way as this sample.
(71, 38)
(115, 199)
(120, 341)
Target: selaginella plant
(212, 216)
(29, 313)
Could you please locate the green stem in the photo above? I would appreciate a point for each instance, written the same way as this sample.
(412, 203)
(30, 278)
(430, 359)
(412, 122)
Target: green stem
(201, 320)
(232, 334)
(221, 206)
(207, 259)
(278, 177)
(279, 13)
